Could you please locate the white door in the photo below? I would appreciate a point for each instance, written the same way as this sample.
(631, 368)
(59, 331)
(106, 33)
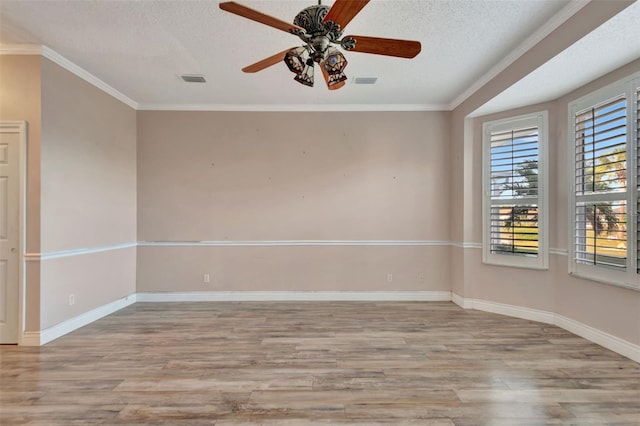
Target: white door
(10, 138)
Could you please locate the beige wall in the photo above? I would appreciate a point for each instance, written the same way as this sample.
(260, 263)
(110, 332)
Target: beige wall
(81, 188)
(224, 176)
(88, 196)
(88, 164)
(299, 268)
(20, 101)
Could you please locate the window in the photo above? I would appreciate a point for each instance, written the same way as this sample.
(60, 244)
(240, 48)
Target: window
(603, 138)
(515, 191)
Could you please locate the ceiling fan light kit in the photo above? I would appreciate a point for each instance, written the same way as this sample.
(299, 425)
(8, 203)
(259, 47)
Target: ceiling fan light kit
(320, 27)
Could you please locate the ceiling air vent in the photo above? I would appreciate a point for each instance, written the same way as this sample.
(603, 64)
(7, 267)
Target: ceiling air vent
(194, 78)
(365, 80)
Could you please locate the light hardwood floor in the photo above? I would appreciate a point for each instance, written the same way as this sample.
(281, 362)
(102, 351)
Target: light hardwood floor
(316, 363)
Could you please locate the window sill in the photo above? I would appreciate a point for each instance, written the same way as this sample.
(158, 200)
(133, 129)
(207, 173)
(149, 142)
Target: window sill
(601, 280)
(515, 265)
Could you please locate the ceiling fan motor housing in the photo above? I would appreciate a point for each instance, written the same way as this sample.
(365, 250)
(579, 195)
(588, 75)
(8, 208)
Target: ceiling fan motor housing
(311, 18)
(318, 33)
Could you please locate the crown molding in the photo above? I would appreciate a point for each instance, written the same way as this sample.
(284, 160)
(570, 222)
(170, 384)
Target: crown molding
(293, 108)
(87, 76)
(31, 49)
(55, 57)
(556, 21)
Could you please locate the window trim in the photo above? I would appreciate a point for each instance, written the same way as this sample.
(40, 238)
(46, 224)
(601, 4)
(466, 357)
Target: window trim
(629, 277)
(541, 262)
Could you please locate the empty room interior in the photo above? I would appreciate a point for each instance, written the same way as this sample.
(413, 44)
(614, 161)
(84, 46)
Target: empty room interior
(435, 222)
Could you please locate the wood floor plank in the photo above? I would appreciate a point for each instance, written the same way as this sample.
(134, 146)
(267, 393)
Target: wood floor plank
(308, 363)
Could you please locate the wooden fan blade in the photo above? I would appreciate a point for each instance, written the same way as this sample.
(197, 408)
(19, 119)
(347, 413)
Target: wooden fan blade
(386, 46)
(343, 11)
(254, 15)
(266, 62)
(326, 79)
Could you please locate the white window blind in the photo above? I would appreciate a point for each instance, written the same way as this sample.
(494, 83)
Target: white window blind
(513, 191)
(605, 184)
(601, 184)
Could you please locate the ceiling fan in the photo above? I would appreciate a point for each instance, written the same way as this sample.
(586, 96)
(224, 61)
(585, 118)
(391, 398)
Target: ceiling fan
(320, 27)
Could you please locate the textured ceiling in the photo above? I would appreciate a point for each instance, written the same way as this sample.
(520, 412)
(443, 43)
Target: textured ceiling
(613, 44)
(141, 47)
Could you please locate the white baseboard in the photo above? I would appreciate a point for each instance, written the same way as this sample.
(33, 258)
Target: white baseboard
(530, 314)
(295, 296)
(609, 341)
(35, 338)
(460, 301)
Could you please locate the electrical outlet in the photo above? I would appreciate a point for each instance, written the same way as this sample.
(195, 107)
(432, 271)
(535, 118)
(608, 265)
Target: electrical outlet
(421, 278)
(389, 278)
(206, 278)
(72, 299)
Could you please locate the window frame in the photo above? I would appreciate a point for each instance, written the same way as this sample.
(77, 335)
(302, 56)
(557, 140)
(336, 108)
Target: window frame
(628, 277)
(541, 261)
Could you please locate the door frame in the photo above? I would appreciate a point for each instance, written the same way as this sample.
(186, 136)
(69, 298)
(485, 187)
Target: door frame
(20, 127)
